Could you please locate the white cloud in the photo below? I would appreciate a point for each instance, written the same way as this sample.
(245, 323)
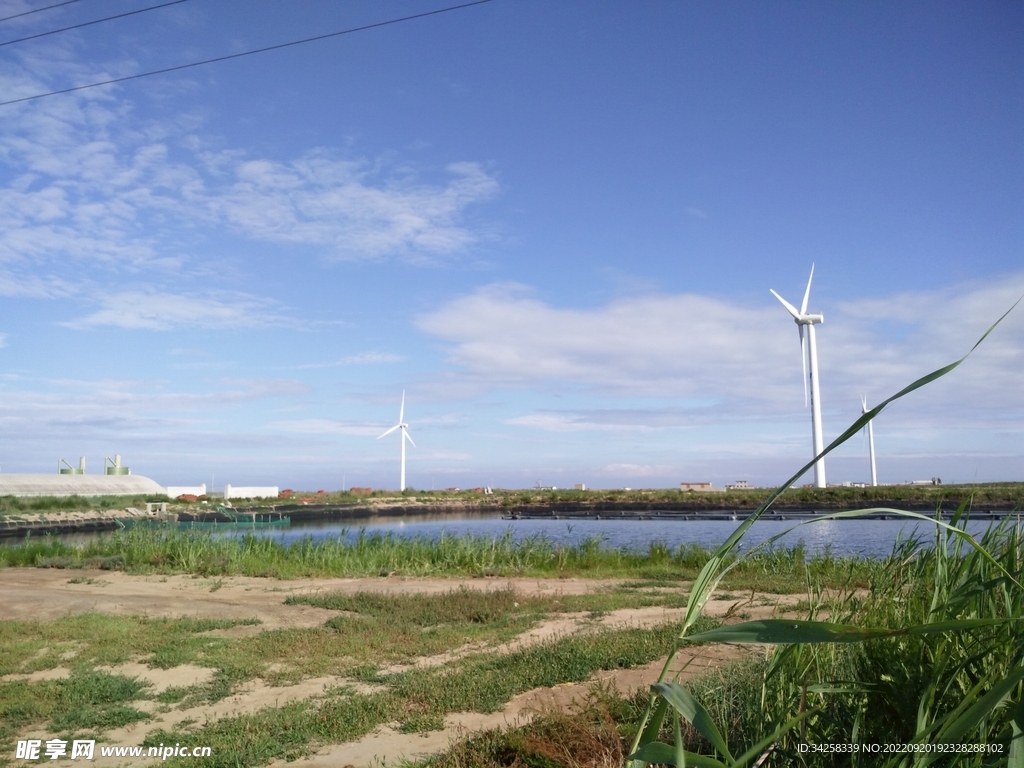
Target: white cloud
(663, 345)
(348, 208)
(327, 427)
(639, 470)
(733, 359)
(89, 409)
(444, 455)
(88, 183)
(164, 311)
(363, 358)
(572, 422)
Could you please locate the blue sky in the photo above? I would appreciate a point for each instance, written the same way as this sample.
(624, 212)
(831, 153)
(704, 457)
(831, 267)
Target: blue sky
(553, 224)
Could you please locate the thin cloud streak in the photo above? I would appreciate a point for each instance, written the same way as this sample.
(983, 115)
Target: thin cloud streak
(328, 427)
(363, 358)
(141, 310)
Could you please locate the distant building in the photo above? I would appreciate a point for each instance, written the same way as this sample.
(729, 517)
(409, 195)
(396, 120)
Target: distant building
(696, 487)
(174, 491)
(580, 486)
(739, 485)
(251, 492)
(78, 485)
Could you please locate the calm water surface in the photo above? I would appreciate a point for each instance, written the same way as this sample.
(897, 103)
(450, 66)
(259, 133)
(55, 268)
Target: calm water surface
(845, 537)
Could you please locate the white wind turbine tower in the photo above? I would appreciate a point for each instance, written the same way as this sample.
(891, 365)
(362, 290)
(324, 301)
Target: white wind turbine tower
(809, 352)
(871, 440)
(401, 425)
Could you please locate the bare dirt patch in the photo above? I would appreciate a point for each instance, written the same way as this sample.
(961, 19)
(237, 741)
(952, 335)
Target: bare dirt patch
(42, 593)
(46, 594)
(160, 680)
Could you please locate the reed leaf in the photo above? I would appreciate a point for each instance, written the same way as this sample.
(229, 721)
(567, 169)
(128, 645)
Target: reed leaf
(1015, 758)
(958, 728)
(786, 631)
(657, 753)
(695, 714)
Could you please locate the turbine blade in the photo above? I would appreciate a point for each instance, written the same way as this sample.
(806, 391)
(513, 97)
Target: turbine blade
(408, 437)
(803, 364)
(401, 411)
(807, 293)
(787, 305)
(389, 431)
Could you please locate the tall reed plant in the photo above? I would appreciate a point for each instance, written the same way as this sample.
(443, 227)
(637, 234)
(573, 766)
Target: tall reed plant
(940, 639)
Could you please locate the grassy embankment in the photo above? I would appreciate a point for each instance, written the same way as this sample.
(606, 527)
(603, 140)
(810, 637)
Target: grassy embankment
(142, 550)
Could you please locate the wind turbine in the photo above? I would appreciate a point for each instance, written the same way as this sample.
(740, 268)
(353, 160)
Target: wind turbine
(871, 440)
(401, 425)
(809, 352)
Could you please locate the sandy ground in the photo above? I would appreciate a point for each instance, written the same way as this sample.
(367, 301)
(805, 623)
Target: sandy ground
(40, 593)
(29, 593)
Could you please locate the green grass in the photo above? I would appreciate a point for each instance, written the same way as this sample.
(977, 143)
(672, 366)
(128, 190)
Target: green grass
(87, 701)
(461, 606)
(420, 698)
(370, 632)
(197, 552)
(104, 640)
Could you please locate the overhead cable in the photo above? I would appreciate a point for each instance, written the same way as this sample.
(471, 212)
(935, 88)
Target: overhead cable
(37, 10)
(90, 23)
(245, 53)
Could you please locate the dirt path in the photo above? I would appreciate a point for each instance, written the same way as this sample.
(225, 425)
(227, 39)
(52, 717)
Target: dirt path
(46, 594)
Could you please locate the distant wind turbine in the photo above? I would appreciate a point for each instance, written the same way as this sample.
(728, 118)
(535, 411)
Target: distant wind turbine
(401, 425)
(809, 351)
(871, 440)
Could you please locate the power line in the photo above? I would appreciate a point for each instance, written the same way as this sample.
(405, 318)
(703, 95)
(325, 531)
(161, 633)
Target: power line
(245, 53)
(37, 10)
(90, 23)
